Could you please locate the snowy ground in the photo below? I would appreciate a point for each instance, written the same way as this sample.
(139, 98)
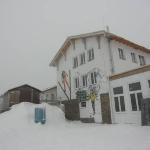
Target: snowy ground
(19, 132)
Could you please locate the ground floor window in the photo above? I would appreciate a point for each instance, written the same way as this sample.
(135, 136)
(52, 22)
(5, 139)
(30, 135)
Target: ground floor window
(119, 103)
(119, 99)
(135, 96)
(136, 101)
(83, 104)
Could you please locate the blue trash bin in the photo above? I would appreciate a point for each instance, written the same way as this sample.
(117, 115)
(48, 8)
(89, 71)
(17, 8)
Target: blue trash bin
(40, 115)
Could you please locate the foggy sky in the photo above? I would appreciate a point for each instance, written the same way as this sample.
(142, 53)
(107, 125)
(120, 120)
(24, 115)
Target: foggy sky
(32, 31)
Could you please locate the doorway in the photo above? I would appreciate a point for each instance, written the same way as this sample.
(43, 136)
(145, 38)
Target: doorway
(105, 108)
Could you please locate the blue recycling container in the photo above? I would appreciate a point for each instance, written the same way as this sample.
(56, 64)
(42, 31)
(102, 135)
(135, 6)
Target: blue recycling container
(40, 115)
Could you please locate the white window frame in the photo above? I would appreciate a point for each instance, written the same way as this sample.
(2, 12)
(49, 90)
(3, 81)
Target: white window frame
(136, 98)
(119, 95)
(134, 92)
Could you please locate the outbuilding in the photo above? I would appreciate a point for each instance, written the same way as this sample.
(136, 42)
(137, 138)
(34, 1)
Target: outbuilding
(23, 93)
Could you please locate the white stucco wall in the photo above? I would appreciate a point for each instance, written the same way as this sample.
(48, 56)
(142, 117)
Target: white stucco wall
(130, 116)
(47, 95)
(127, 64)
(101, 61)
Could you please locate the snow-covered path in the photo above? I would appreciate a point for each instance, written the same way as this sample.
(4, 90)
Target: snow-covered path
(19, 132)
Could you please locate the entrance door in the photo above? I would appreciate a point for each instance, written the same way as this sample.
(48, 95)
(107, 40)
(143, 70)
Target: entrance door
(105, 108)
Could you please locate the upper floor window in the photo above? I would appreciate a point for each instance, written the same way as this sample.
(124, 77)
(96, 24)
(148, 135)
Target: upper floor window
(93, 78)
(82, 58)
(76, 82)
(90, 54)
(121, 54)
(75, 62)
(133, 57)
(142, 60)
(84, 80)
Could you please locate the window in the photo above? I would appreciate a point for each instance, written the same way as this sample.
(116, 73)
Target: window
(135, 86)
(133, 58)
(75, 62)
(119, 99)
(135, 96)
(82, 58)
(122, 104)
(142, 60)
(76, 82)
(118, 90)
(116, 104)
(83, 104)
(90, 54)
(84, 80)
(93, 78)
(139, 98)
(133, 102)
(121, 54)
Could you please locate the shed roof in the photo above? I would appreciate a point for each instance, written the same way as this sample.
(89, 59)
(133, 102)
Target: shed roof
(24, 85)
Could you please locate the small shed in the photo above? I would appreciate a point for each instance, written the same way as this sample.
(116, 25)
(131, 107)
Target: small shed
(24, 93)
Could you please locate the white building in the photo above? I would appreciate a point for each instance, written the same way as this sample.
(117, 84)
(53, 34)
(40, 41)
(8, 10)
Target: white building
(86, 62)
(49, 95)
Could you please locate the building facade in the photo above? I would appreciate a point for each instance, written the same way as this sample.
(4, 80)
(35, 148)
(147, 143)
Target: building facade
(85, 62)
(49, 96)
(24, 93)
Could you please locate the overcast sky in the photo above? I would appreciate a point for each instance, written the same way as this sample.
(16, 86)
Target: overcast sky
(32, 31)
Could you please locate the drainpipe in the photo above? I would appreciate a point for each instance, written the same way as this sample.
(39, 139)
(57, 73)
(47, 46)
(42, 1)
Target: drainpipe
(110, 56)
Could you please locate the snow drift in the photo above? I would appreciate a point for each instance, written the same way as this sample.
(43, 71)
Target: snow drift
(19, 132)
(23, 114)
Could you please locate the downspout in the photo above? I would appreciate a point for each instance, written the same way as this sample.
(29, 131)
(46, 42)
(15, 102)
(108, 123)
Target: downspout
(110, 56)
(112, 69)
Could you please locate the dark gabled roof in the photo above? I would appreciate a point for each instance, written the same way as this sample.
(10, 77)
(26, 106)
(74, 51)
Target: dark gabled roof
(25, 85)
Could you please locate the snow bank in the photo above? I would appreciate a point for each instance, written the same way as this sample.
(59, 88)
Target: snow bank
(19, 132)
(23, 114)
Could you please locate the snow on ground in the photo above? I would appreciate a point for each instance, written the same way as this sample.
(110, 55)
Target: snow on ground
(19, 132)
